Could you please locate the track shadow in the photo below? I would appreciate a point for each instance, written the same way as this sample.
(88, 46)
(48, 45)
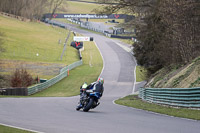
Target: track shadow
(92, 112)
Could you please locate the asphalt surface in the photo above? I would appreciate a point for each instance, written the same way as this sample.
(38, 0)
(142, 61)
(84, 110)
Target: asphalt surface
(58, 115)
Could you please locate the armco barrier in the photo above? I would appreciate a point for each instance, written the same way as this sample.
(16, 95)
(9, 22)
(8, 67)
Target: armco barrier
(180, 97)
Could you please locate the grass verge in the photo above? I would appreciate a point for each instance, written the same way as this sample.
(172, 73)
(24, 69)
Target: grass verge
(141, 74)
(127, 41)
(5, 129)
(135, 102)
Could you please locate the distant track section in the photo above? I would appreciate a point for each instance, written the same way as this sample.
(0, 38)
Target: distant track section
(89, 16)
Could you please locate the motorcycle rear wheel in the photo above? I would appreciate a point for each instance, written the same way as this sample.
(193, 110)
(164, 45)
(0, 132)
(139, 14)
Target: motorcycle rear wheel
(89, 105)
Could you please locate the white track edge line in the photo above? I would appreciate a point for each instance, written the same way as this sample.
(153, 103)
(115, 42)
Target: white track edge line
(102, 59)
(134, 90)
(21, 128)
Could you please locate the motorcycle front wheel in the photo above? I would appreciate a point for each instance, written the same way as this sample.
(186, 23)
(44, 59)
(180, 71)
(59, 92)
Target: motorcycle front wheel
(88, 106)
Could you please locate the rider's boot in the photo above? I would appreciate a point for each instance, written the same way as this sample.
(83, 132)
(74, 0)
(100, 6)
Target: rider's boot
(79, 106)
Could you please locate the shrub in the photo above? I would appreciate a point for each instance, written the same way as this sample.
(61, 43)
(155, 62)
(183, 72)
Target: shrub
(21, 78)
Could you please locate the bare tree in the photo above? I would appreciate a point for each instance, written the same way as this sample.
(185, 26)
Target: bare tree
(32, 9)
(55, 4)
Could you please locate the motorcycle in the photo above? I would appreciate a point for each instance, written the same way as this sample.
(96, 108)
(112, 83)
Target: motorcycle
(90, 98)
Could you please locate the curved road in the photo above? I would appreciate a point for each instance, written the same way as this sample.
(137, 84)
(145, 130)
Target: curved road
(58, 115)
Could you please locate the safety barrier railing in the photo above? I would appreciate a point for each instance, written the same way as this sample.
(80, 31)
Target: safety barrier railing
(180, 97)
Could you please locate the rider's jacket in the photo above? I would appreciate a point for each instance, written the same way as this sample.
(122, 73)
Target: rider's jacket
(97, 85)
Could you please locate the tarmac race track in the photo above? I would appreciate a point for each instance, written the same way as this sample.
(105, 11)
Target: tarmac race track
(58, 115)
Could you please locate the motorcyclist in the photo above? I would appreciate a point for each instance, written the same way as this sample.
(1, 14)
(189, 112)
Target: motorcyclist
(98, 84)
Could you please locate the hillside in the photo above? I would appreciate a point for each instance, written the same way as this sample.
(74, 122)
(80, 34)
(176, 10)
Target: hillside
(177, 77)
(77, 7)
(34, 46)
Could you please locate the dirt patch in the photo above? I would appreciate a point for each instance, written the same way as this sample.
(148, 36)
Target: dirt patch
(185, 83)
(35, 68)
(184, 77)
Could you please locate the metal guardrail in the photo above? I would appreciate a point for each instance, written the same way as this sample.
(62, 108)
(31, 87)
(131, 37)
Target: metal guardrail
(180, 97)
(92, 26)
(50, 82)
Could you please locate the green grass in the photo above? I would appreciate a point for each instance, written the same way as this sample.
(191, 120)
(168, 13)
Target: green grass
(5, 129)
(127, 41)
(135, 102)
(73, 7)
(141, 74)
(23, 40)
(88, 72)
(80, 7)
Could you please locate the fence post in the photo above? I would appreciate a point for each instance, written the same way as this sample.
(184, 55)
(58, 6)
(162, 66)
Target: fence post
(65, 45)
